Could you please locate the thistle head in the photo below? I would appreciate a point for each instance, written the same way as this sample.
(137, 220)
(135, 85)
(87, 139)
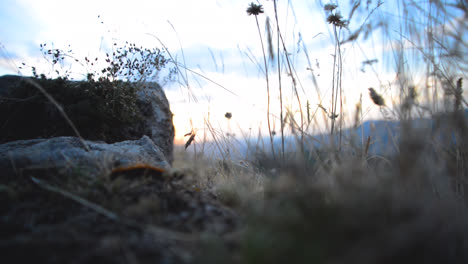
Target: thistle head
(254, 9)
(337, 20)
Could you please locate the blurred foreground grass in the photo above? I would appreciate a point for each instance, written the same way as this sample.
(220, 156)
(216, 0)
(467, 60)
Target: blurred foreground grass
(342, 207)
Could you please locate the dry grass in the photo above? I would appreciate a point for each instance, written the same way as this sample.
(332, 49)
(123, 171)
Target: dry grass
(342, 204)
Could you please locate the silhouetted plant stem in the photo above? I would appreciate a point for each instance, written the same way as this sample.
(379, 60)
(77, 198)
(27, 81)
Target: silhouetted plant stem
(279, 81)
(268, 88)
(332, 117)
(340, 70)
(291, 73)
(337, 74)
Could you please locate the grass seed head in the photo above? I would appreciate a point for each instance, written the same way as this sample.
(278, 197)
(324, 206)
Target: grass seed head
(376, 98)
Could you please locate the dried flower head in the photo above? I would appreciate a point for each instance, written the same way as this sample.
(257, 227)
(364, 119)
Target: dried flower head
(376, 98)
(337, 20)
(412, 92)
(330, 7)
(228, 115)
(191, 138)
(254, 9)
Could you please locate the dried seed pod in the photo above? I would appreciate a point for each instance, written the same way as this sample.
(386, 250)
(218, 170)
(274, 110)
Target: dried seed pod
(376, 98)
(189, 141)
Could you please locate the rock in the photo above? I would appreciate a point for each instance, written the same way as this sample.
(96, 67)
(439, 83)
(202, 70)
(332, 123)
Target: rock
(157, 115)
(105, 111)
(70, 154)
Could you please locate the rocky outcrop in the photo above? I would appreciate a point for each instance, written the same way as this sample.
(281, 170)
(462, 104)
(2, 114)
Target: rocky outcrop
(101, 111)
(76, 193)
(70, 155)
(157, 120)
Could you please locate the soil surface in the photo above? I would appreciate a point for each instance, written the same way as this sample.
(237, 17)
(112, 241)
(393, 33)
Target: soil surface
(131, 216)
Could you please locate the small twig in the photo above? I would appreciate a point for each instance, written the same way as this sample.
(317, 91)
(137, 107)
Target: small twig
(76, 198)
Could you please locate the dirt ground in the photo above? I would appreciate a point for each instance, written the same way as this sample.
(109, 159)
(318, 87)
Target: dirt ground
(135, 216)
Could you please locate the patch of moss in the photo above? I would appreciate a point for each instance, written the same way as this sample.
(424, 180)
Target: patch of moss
(101, 110)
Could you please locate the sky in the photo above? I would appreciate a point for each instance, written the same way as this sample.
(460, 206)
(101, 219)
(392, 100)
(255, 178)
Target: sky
(218, 41)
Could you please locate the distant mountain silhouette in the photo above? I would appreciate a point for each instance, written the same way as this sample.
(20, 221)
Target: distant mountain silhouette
(384, 137)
